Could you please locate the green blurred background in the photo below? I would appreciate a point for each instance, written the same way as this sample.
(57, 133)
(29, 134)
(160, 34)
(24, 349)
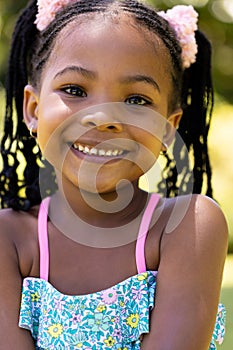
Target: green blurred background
(216, 20)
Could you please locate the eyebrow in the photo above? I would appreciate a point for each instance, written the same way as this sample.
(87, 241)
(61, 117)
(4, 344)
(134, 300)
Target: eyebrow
(93, 75)
(141, 78)
(83, 71)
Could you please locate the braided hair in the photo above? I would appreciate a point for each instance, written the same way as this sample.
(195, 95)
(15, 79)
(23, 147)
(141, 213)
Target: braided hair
(21, 158)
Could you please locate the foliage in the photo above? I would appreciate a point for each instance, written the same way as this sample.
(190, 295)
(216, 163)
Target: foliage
(8, 14)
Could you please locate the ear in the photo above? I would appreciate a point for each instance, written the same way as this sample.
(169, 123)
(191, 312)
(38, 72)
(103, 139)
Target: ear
(172, 124)
(30, 108)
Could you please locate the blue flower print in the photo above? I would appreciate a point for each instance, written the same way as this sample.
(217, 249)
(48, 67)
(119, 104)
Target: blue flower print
(99, 322)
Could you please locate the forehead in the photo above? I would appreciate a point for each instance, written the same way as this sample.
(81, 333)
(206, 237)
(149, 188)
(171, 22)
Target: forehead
(112, 39)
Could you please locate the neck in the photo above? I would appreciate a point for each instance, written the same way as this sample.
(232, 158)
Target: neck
(111, 209)
(74, 213)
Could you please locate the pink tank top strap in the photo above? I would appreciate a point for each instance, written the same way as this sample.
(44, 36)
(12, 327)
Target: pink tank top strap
(43, 238)
(140, 244)
(143, 231)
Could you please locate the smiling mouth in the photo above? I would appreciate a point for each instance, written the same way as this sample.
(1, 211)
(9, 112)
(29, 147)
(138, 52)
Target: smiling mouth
(93, 151)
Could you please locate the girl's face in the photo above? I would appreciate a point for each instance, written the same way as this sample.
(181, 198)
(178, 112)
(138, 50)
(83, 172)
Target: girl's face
(96, 63)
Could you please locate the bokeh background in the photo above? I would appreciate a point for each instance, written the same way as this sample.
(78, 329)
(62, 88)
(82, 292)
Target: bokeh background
(216, 21)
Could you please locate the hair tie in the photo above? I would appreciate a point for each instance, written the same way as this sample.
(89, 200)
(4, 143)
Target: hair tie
(182, 18)
(47, 10)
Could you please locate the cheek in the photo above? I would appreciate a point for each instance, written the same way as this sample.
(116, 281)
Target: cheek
(149, 149)
(46, 127)
(150, 137)
(49, 138)
(51, 118)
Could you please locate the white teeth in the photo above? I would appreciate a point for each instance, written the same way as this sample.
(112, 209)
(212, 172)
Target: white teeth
(98, 152)
(109, 153)
(116, 152)
(101, 152)
(86, 149)
(94, 151)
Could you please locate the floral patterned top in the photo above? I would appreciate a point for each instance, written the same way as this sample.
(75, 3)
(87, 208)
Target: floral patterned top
(112, 319)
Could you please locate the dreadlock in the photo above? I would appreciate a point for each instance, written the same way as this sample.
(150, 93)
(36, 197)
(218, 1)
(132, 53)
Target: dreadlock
(29, 53)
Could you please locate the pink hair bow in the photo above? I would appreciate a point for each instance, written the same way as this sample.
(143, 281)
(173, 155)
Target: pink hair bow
(47, 10)
(183, 19)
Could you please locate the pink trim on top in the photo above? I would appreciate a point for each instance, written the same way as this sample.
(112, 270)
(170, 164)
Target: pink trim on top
(43, 238)
(143, 231)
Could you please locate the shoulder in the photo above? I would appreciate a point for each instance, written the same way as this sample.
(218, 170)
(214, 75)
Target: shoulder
(188, 222)
(197, 212)
(195, 226)
(10, 224)
(209, 217)
(13, 223)
(18, 236)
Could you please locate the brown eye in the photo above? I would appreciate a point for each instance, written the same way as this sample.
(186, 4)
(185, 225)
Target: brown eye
(137, 100)
(74, 90)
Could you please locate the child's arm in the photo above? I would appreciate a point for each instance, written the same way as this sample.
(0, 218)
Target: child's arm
(189, 280)
(11, 336)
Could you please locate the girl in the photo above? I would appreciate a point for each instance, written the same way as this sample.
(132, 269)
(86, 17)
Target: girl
(99, 88)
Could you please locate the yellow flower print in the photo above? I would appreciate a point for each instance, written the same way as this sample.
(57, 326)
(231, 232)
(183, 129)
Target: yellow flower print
(110, 341)
(125, 348)
(101, 308)
(55, 330)
(35, 297)
(133, 320)
(122, 304)
(142, 276)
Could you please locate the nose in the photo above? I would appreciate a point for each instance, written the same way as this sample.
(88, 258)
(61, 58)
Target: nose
(102, 122)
